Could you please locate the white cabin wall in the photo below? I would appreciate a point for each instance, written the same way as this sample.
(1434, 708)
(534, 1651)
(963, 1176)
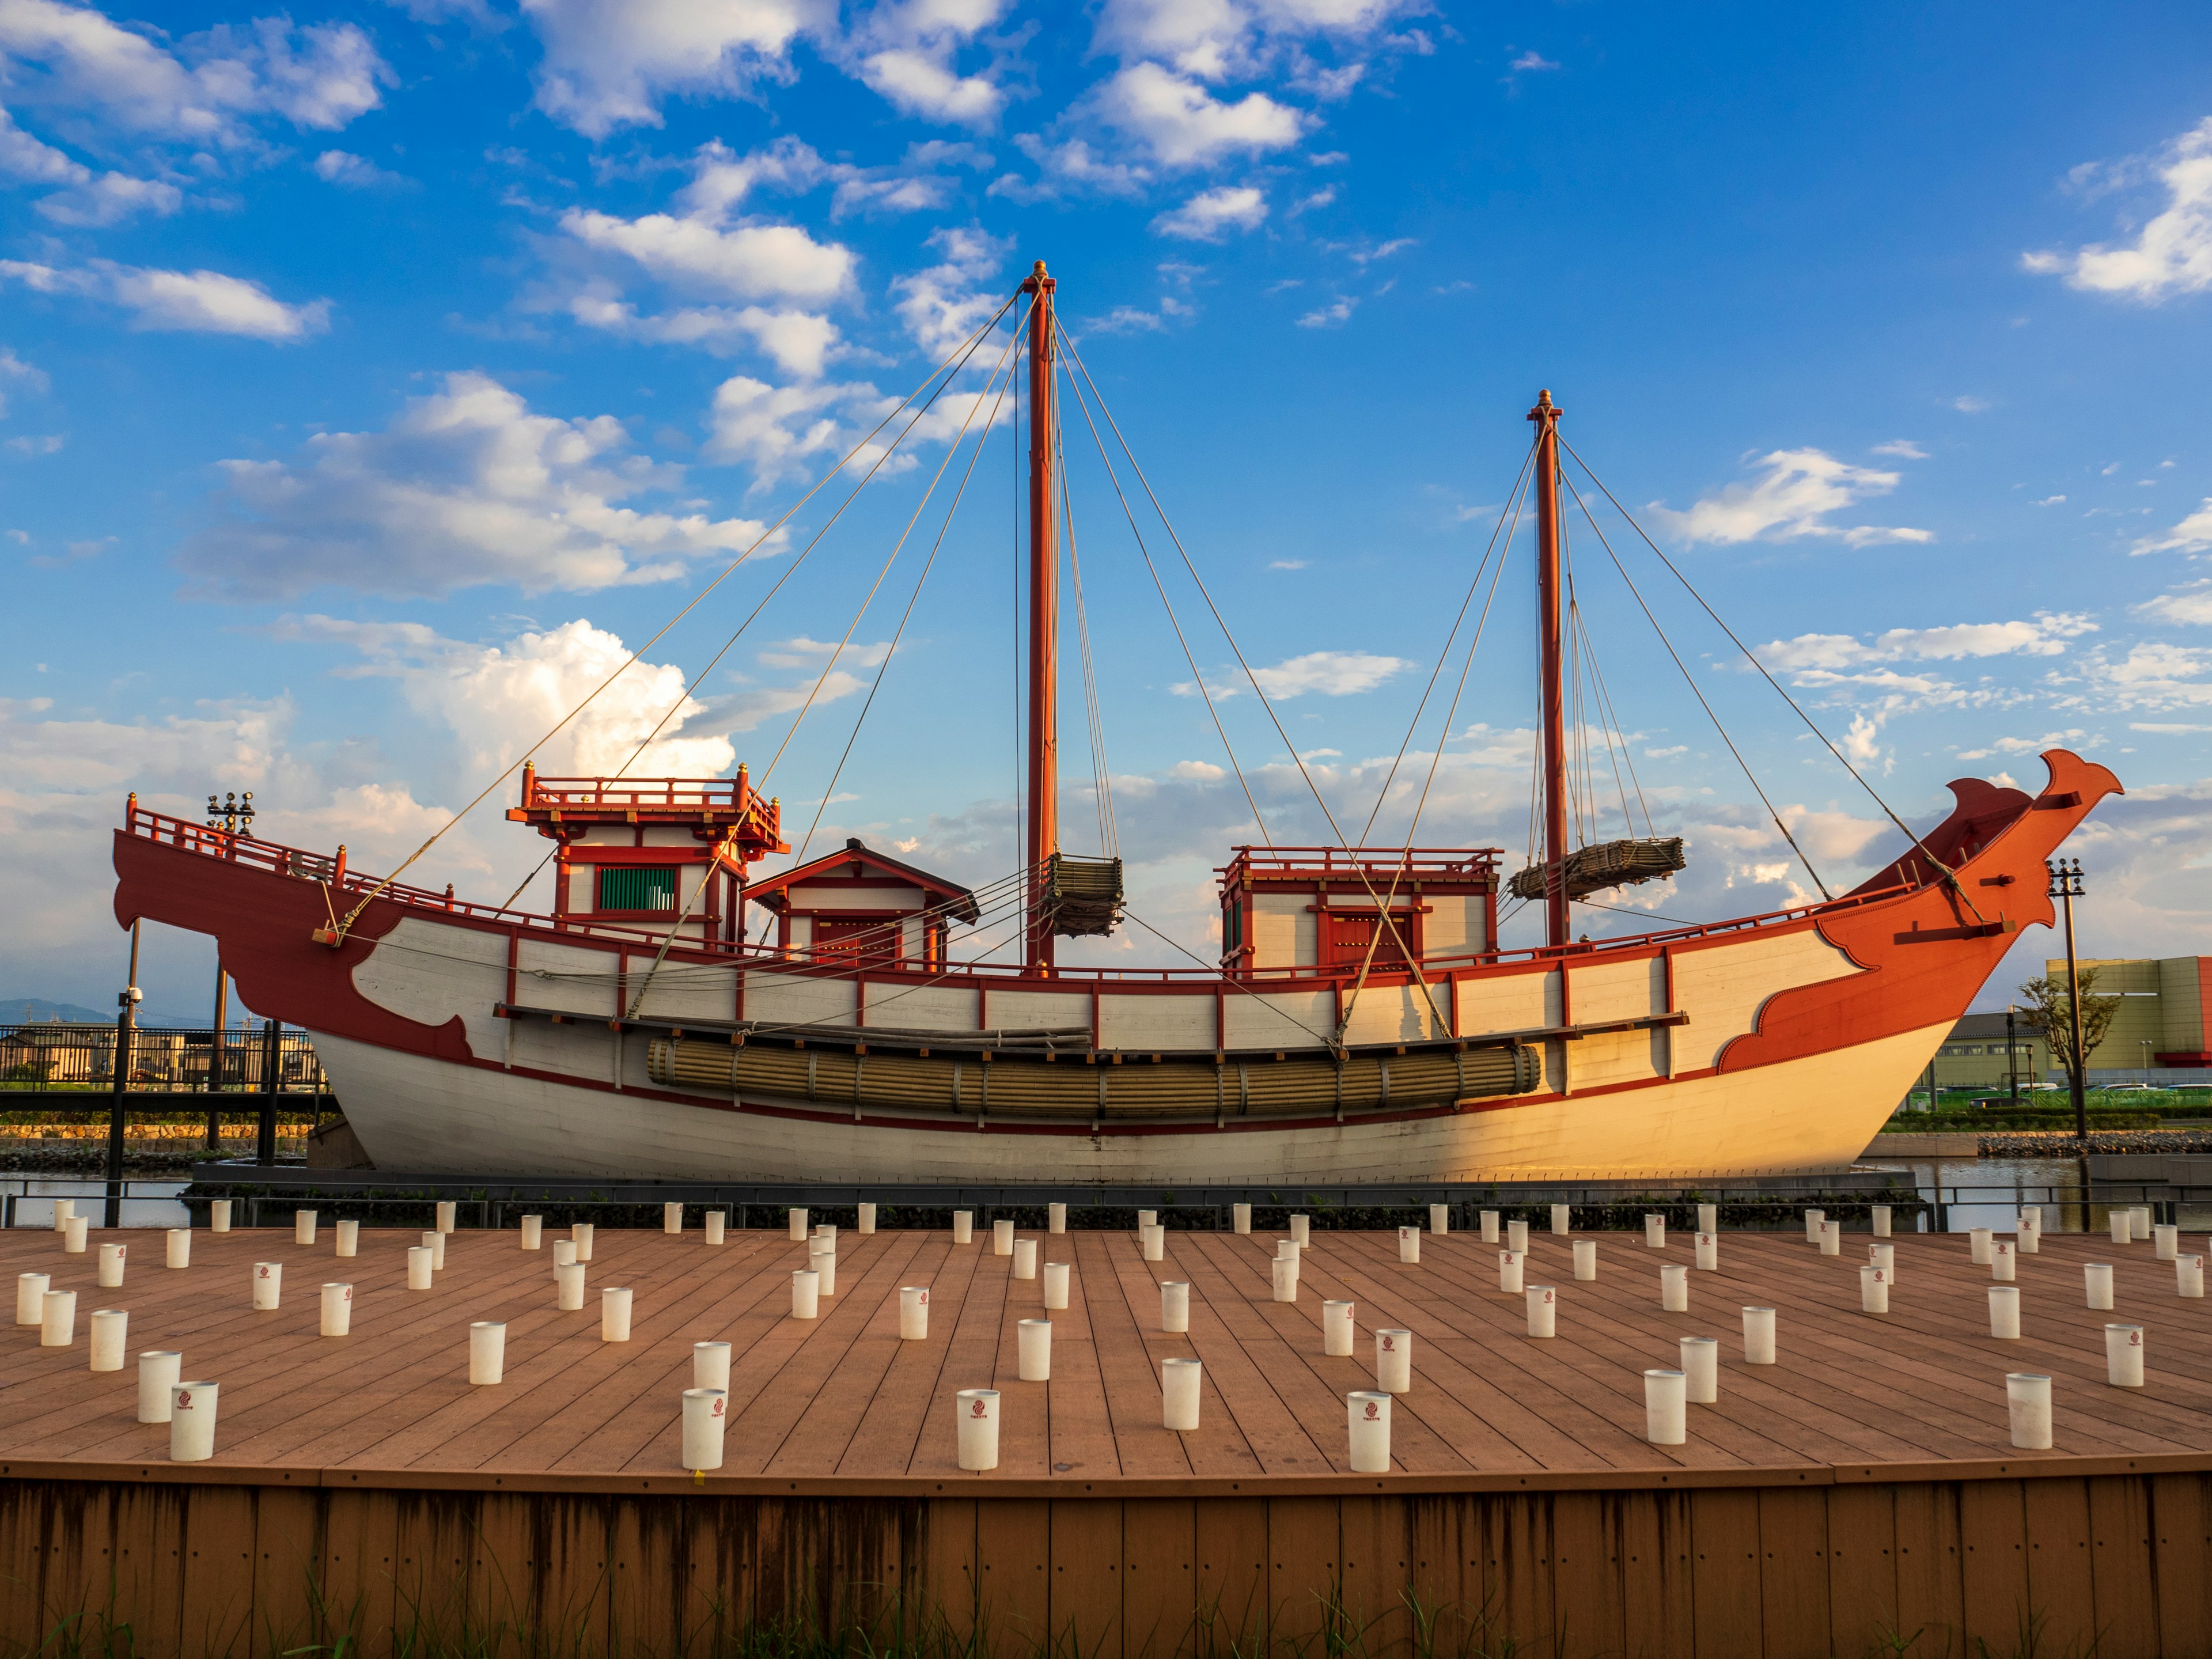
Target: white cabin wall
(843, 895)
(1279, 1020)
(1172, 1020)
(1453, 927)
(1283, 930)
(798, 998)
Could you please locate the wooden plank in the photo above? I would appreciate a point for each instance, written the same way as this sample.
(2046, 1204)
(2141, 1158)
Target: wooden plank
(1377, 1573)
(1657, 1573)
(285, 1527)
(952, 1583)
(360, 1534)
(1305, 1578)
(1861, 1567)
(1086, 1574)
(1793, 1570)
(1588, 1611)
(2061, 1575)
(1508, 1589)
(1931, 1575)
(2182, 1559)
(1232, 1578)
(1727, 1575)
(1159, 1577)
(217, 1614)
(1013, 1546)
(2127, 1598)
(1993, 1557)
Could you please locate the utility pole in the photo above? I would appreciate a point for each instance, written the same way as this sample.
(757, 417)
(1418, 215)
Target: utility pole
(2066, 887)
(2012, 1054)
(126, 1017)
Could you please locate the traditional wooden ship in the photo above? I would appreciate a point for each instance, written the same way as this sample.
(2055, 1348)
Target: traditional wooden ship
(1364, 1022)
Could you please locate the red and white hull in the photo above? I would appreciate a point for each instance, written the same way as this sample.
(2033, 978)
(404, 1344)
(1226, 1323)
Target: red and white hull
(1770, 1045)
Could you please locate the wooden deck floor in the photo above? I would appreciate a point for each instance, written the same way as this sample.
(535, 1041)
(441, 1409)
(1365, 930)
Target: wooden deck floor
(840, 1404)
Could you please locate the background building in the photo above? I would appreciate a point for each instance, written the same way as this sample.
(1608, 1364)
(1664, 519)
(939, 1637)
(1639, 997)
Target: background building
(2159, 1034)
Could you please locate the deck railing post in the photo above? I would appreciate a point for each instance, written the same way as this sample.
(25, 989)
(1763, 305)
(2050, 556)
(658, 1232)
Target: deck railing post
(266, 1151)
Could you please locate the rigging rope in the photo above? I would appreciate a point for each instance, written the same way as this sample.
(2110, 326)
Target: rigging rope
(1102, 778)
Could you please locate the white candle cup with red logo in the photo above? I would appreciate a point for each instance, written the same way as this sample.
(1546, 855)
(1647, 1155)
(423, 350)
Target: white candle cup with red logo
(1489, 1220)
(978, 1411)
(110, 1270)
(1832, 1238)
(963, 1227)
(177, 1248)
(30, 1296)
(710, 1365)
(158, 1371)
(706, 1419)
(1585, 1254)
(1056, 1280)
(2167, 1240)
(580, 1232)
(1393, 1361)
(2140, 1216)
(1708, 1252)
(1368, 1412)
(1880, 1215)
(1874, 1290)
(1409, 1245)
(1701, 1370)
(2123, 1225)
(1517, 1238)
(435, 1242)
(1284, 1277)
(1655, 1232)
(564, 1254)
(1147, 1219)
(336, 1311)
(486, 1353)
(63, 1209)
(1033, 1350)
(1240, 1218)
(2002, 1260)
(303, 1226)
(1174, 1306)
(1510, 1264)
(191, 1422)
(268, 1284)
(1302, 1230)
(1155, 1241)
(2029, 1234)
(1813, 1220)
(822, 1256)
(2189, 1275)
(914, 1313)
(111, 1335)
(1336, 1329)
(1179, 1394)
(74, 1232)
(672, 1217)
(1440, 1219)
(1758, 1339)
(1884, 1256)
(1709, 1217)
(718, 1224)
(2097, 1283)
(1002, 1238)
(1563, 1220)
(865, 1223)
(1055, 1217)
(2124, 1356)
(1543, 1309)
(614, 1313)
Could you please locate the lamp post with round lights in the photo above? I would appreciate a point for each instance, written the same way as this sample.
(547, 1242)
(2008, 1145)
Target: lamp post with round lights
(2066, 887)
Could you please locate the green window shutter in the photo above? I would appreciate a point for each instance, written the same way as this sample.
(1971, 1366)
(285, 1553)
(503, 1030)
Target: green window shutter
(622, 888)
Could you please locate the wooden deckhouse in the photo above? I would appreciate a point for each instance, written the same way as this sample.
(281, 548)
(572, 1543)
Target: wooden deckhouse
(635, 851)
(1320, 909)
(863, 906)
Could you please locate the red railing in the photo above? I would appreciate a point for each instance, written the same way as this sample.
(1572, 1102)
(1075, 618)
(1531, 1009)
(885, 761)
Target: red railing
(635, 794)
(1385, 861)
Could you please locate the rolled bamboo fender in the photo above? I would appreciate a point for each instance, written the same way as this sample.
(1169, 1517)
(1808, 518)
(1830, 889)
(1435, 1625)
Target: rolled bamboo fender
(336, 1313)
(110, 1269)
(914, 1313)
(1368, 1413)
(2028, 1405)
(348, 1233)
(58, 1319)
(158, 1371)
(1033, 1350)
(978, 1411)
(710, 1365)
(177, 1248)
(268, 1284)
(111, 1332)
(1180, 1391)
(1056, 1276)
(191, 1422)
(706, 1419)
(486, 1353)
(1336, 1329)
(1393, 1361)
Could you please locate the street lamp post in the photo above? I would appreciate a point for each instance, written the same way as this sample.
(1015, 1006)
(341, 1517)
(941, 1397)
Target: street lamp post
(2066, 887)
(234, 816)
(2012, 1054)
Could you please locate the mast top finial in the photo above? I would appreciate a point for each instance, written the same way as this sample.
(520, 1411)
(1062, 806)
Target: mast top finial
(1544, 397)
(1546, 410)
(1038, 270)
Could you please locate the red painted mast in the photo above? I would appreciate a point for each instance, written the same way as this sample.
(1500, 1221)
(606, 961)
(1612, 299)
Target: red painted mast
(1042, 839)
(1547, 416)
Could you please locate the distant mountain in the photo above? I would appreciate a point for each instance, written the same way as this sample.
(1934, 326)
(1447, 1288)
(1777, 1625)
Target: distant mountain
(37, 1010)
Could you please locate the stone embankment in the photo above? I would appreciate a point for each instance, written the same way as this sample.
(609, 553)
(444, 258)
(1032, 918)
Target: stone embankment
(2061, 1143)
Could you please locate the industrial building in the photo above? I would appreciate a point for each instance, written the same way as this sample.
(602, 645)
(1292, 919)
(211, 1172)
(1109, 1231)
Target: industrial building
(2158, 1035)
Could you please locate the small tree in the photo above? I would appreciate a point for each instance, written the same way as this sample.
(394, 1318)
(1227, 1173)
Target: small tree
(2050, 1011)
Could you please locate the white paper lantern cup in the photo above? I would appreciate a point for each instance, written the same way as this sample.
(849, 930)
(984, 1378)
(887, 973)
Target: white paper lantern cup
(2030, 1235)
(30, 1296)
(1033, 1350)
(564, 1254)
(2097, 1283)
(914, 1313)
(1488, 1219)
(2140, 1217)
(1832, 1238)
(2166, 1241)
(717, 1226)
(219, 1215)
(1666, 1414)
(2189, 1275)
(1285, 1277)
(1881, 1213)
(1874, 1290)
(1701, 1370)
(2124, 1356)
(1302, 1230)
(1240, 1218)
(613, 1313)
(1286, 1250)
(1510, 1264)
(866, 1222)
(806, 1294)
(336, 1313)
(1409, 1244)
(191, 1422)
(63, 1209)
(486, 1353)
(822, 1256)
(75, 1230)
(534, 1232)
(1563, 1220)
(1026, 1258)
(110, 1270)
(448, 1209)
(1174, 1306)
(58, 1319)
(1813, 1220)
(671, 1219)
(1517, 1238)
(710, 1365)
(1155, 1241)
(1393, 1361)
(1674, 1289)
(1336, 1330)
(1884, 1256)
(435, 1242)
(964, 1232)
(798, 1221)
(2004, 1263)
(1440, 1218)
(2028, 1405)
(1980, 1242)
(1759, 1345)
(1180, 1390)
(158, 1371)
(421, 1267)
(1707, 1252)
(303, 1226)
(111, 1336)
(583, 1233)
(1709, 1217)
(569, 1282)
(1655, 1232)
(1002, 1238)
(1056, 1279)
(977, 1410)
(1147, 1219)
(2123, 1226)
(706, 1421)
(268, 1284)
(349, 1236)
(1368, 1411)
(1585, 1256)
(2004, 1312)
(177, 1248)
(1543, 1309)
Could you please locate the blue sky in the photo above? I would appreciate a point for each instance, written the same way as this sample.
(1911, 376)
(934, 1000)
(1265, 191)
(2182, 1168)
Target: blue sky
(375, 377)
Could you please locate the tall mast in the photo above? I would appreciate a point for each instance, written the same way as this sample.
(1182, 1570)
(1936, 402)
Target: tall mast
(1042, 839)
(1547, 416)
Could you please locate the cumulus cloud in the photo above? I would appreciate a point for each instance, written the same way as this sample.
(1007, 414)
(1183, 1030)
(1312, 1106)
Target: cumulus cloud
(1211, 213)
(1215, 39)
(798, 341)
(1793, 495)
(2191, 604)
(1185, 125)
(2046, 635)
(85, 197)
(1903, 448)
(338, 166)
(906, 49)
(465, 486)
(2172, 253)
(15, 373)
(2192, 535)
(744, 262)
(2150, 674)
(186, 302)
(608, 63)
(943, 304)
(1330, 673)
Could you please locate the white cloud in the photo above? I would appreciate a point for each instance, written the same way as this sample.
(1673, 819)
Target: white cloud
(748, 262)
(465, 486)
(2192, 535)
(798, 341)
(1971, 405)
(1184, 125)
(2172, 253)
(609, 63)
(1331, 673)
(915, 81)
(1795, 493)
(1207, 216)
(2191, 604)
(14, 371)
(2048, 501)
(2153, 675)
(187, 301)
(2070, 737)
(85, 198)
(2044, 636)
(1904, 448)
(773, 430)
(1213, 39)
(338, 166)
(1073, 164)
(943, 305)
(1328, 316)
